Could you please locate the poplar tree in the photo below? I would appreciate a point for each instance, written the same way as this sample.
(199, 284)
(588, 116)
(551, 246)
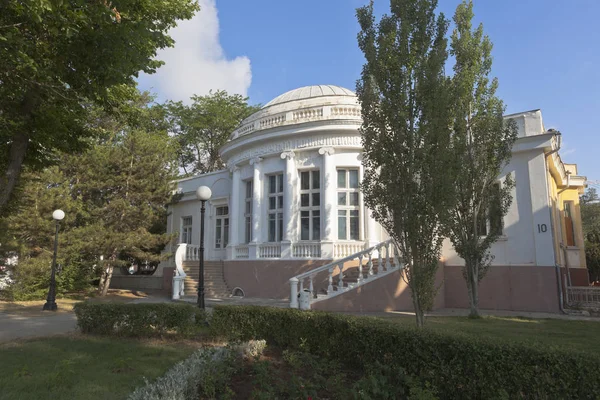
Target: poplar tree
(404, 96)
(481, 146)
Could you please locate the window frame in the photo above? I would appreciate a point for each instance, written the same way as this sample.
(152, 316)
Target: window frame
(347, 209)
(186, 229)
(569, 210)
(275, 213)
(221, 240)
(488, 220)
(249, 190)
(311, 211)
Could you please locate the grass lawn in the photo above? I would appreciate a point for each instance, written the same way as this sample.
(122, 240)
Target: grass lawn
(65, 305)
(567, 334)
(80, 367)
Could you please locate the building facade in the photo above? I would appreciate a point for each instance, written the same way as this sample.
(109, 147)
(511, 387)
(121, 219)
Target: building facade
(290, 202)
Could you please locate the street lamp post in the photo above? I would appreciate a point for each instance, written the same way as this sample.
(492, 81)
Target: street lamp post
(50, 305)
(203, 193)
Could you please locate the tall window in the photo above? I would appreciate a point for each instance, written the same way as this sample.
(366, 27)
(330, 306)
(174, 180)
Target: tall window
(248, 212)
(186, 230)
(275, 213)
(348, 206)
(222, 227)
(569, 229)
(310, 205)
(491, 219)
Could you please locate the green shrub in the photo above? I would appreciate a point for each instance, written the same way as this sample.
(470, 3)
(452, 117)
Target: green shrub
(139, 319)
(453, 366)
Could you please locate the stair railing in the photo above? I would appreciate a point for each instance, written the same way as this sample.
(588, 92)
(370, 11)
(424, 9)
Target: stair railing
(179, 275)
(304, 284)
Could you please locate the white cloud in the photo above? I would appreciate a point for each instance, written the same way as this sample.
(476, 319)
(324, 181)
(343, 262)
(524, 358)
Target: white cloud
(197, 63)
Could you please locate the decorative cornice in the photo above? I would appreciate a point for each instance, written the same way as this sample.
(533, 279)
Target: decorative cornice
(287, 154)
(302, 142)
(306, 159)
(255, 160)
(327, 150)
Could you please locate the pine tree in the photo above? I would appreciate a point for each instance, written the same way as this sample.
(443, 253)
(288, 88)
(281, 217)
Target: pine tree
(481, 146)
(405, 132)
(114, 196)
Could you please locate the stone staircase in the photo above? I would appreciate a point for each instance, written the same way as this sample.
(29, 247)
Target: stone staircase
(358, 269)
(214, 281)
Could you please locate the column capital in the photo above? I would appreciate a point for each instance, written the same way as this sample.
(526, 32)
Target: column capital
(288, 154)
(233, 168)
(326, 151)
(255, 160)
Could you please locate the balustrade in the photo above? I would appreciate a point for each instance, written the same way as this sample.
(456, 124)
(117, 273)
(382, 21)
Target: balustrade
(344, 249)
(269, 250)
(242, 251)
(306, 250)
(387, 262)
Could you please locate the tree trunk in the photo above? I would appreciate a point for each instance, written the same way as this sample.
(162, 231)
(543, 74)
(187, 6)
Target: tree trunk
(473, 288)
(16, 156)
(418, 311)
(109, 274)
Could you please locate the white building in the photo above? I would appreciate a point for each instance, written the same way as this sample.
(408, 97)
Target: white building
(289, 203)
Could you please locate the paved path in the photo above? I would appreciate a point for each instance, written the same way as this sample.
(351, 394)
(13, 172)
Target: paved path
(13, 326)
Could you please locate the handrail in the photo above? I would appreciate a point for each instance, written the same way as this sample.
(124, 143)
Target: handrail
(342, 260)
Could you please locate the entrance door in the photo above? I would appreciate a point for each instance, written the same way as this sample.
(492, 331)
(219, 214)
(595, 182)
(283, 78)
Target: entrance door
(221, 232)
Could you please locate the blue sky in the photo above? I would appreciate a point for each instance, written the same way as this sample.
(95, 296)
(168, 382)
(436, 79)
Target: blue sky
(546, 55)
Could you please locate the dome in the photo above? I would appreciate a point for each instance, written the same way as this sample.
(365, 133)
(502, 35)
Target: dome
(309, 92)
(308, 104)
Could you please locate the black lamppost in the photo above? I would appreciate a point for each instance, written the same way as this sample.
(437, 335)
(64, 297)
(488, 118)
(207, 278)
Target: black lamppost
(50, 305)
(203, 193)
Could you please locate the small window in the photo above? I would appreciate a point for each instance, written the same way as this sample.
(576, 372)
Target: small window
(310, 205)
(222, 227)
(491, 219)
(275, 208)
(569, 226)
(348, 204)
(248, 212)
(186, 230)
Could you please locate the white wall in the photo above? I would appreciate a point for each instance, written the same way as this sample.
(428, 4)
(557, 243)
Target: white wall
(220, 184)
(522, 243)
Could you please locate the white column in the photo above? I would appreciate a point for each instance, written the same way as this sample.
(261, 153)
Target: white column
(329, 210)
(234, 212)
(289, 204)
(372, 229)
(256, 206)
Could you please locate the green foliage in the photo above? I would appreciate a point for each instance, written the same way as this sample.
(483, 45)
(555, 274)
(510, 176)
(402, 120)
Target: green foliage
(481, 147)
(113, 194)
(58, 58)
(590, 219)
(139, 320)
(202, 128)
(450, 365)
(405, 100)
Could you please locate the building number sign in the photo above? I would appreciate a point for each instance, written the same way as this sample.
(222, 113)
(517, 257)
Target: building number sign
(542, 228)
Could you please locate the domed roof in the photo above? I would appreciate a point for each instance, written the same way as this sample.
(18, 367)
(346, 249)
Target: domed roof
(308, 92)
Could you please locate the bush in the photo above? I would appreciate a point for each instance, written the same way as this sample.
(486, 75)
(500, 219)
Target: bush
(207, 368)
(139, 319)
(453, 366)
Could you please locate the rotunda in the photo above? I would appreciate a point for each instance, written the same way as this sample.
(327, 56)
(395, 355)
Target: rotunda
(296, 170)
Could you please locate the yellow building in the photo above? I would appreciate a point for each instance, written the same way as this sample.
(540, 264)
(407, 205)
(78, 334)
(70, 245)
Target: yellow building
(565, 187)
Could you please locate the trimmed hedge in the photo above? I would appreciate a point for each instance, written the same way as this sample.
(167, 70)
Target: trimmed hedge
(456, 367)
(138, 319)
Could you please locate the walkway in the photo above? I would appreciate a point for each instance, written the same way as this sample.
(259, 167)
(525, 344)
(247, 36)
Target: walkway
(14, 326)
